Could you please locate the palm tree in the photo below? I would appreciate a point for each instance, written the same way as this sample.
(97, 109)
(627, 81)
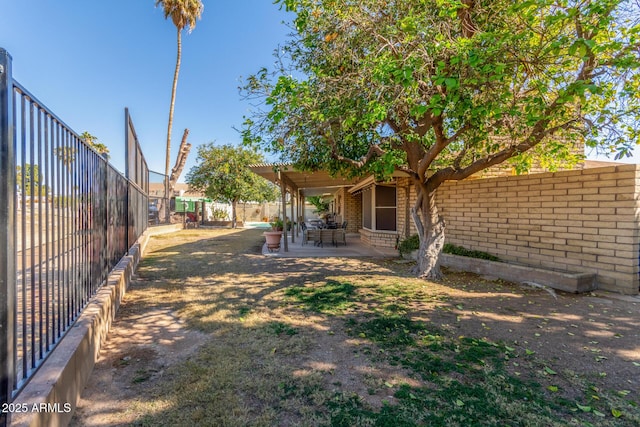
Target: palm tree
(183, 13)
(93, 142)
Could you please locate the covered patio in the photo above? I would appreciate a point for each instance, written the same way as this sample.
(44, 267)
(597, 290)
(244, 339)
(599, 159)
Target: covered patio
(354, 248)
(300, 185)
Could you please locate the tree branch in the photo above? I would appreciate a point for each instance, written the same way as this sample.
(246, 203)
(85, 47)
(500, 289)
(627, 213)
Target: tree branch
(441, 143)
(374, 150)
(467, 25)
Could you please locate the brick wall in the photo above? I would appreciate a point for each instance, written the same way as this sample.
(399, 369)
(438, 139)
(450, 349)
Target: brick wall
(380, 239)
(404, 203)
(582, 220)
(352, 211)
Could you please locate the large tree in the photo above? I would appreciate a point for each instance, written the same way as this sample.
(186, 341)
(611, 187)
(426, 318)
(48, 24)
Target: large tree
(183, 14)
(443, 89)
(222, 174)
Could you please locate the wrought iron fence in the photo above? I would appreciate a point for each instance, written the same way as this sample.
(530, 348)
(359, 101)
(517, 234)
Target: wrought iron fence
(66, 218)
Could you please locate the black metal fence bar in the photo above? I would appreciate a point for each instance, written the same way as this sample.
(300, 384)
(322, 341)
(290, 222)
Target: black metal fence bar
(66, 218)
(7, 235)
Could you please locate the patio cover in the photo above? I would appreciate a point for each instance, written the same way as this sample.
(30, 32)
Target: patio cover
(299, 184)
(307, 182)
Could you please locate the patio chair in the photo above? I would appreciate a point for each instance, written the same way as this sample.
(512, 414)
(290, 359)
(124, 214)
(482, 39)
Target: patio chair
(311, 235)
(340, 236)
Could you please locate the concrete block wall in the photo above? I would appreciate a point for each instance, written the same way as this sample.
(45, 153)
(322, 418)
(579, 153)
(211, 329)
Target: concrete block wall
(583, 221)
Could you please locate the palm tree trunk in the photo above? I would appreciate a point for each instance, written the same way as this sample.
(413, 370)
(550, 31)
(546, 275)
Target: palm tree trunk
(173, 103)
(165, 214)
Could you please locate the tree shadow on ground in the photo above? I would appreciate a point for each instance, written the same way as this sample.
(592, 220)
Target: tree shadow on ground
(213, 333)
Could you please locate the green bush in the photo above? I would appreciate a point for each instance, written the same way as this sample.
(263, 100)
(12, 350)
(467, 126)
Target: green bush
(220, 214)
(412, 243)
(459, 250)
(277, 224)
(409, 244)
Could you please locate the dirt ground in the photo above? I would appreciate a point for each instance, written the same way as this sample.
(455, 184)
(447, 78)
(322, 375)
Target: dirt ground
(595, 336)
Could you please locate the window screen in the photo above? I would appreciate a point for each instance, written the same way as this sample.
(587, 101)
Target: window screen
(386, 208)
(366, 209)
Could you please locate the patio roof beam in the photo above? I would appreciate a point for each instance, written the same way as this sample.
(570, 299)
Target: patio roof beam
(306, 181)
(282, 176)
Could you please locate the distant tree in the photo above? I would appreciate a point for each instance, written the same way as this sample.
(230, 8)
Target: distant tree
(32, 180)
(222, 174)
(183, 13)
(66, 155)
(93, 142)
(443, 89)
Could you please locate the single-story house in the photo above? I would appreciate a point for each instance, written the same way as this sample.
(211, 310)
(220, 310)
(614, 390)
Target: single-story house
(584, 220)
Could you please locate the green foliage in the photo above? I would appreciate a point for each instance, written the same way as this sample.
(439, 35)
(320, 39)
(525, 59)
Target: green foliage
(93, 142)
(66, 155)
(459, 250)
(474, 387)
(220, 214)
(412, 243)
(222, 174)
(319, 203)
(390, 331)
(333, 297)
(32, 180)
(450, 89)
(444, 89)
(277, 224)
(409, 244)
(279, 328)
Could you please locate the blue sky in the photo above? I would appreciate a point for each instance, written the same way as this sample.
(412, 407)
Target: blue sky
(88, 60)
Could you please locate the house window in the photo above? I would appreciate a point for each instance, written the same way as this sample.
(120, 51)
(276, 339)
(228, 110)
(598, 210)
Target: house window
(379, 208)
(367, 197)
(385, 208)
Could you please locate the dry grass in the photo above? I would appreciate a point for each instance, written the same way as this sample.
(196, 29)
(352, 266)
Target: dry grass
(314, 342)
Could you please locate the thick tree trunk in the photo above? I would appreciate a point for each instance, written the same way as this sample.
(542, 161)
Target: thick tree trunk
(430, 226)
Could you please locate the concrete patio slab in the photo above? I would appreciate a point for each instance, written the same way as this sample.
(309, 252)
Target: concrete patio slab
(353, 248)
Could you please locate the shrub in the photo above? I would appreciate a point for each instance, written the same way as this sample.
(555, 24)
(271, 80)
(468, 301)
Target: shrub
(409, 244)
(220, 214)
(277, 224)
(459, 250)
(412, 243)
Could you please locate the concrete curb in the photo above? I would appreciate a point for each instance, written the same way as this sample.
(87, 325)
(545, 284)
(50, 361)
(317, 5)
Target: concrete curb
(51, 396)
(563, 281)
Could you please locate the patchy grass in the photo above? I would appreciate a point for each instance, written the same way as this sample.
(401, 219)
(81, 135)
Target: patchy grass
(331, 298)
(315, 342)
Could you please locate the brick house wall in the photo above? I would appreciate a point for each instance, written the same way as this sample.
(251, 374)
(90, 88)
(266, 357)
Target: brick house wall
(582, 220)
(349, 208)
